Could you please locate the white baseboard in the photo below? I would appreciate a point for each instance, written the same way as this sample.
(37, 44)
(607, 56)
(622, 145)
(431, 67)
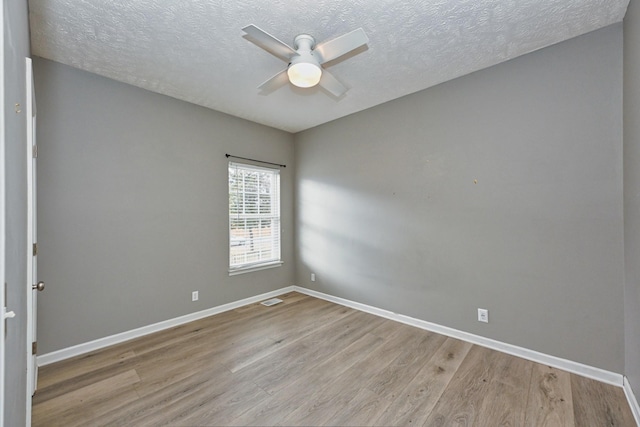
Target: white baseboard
(535, 356)
(631, 398)
(557, 362)
(87, 347)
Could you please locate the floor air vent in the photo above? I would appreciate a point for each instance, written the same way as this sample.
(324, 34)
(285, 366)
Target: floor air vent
(272, 301)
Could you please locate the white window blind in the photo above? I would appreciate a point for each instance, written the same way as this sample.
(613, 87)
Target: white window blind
(254, 217)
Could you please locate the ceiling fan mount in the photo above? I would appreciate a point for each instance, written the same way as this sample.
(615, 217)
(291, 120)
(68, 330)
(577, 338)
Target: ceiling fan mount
(305, 58)
(304, 41)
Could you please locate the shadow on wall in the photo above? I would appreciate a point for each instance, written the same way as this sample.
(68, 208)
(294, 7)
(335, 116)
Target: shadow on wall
(414, 253)
(358, 243)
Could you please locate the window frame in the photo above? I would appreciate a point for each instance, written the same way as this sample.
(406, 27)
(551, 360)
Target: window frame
(274, 216)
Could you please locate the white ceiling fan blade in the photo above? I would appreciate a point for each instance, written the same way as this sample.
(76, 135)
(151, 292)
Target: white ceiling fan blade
(275, 82)
(332, 49)
(269, 43)
(332, 85)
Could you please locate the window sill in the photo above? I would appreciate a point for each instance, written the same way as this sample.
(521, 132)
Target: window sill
(256, 267)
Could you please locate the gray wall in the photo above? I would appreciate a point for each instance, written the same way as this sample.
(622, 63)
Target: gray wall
(632, 193)
(133, 206)
(389, 214)
(16, 48)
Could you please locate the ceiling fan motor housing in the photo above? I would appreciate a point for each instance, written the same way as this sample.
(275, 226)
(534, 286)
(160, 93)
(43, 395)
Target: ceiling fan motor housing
(304, 42)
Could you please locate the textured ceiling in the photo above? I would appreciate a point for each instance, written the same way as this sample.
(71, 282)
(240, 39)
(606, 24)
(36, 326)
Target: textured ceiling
(194, 50)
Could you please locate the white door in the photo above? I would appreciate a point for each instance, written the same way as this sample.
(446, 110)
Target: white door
(3, 310)
(33, 286)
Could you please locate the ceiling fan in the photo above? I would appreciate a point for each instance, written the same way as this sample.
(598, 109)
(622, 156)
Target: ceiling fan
(305, 58)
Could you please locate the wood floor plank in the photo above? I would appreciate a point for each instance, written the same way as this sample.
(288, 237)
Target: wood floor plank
(288, 333)
(157, 379)
(220, 408)
(299, 389)
(505, 400)
(87, 414)
(386, 329)
(325, 402)
(66, 375)
(550, 403)
(79, 378)
(308, 361)
(219, 348)
(149, 408)
(274, 320)
(288, 365)
(502, 406)
(225, 326)
(87, 402)
(391, 380)
(462, 399)
(415, 402)
(76, 366)
(365, 407)
(315, 395)
(596, 403)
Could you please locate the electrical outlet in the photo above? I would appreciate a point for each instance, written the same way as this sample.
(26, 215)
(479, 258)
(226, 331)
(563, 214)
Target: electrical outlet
(194, 296)
(313, 277)
(483, 315)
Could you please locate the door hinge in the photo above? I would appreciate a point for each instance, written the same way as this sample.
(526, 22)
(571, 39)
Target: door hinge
(34, 347)
(35, 151)
(35, 249)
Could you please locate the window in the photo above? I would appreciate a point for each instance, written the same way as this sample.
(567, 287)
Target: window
(254, 218)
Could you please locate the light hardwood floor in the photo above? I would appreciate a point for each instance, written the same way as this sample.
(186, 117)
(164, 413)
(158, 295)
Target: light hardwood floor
(311, 362)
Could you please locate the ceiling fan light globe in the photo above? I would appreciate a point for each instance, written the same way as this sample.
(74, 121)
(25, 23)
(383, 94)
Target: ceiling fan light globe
(304, 74)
